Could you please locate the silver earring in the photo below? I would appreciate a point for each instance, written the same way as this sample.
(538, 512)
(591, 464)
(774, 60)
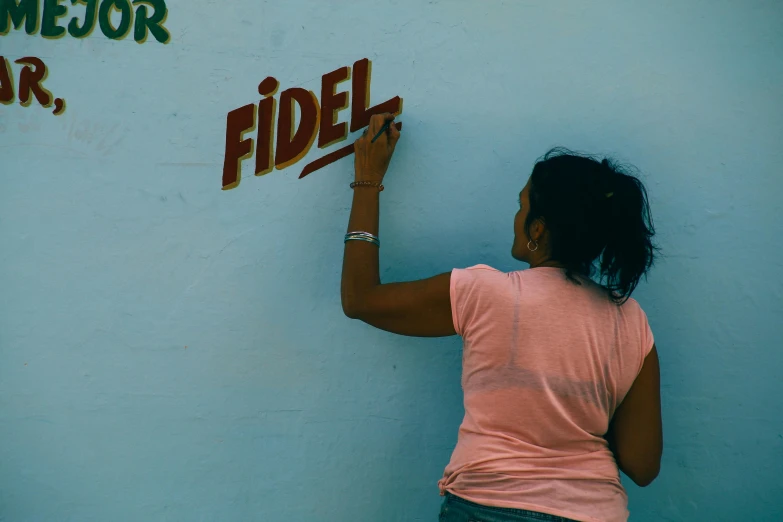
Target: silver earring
(532, 249)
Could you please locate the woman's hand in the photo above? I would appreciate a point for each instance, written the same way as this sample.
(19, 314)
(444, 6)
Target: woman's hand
(372, 159)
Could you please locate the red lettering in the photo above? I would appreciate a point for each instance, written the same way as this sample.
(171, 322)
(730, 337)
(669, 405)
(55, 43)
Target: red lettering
(266, 126)
(6, 82)
(30, 81)
(360, 114)
(292, 146)
(332, 157)
(294, 141)
(238, 122)
(332, 103)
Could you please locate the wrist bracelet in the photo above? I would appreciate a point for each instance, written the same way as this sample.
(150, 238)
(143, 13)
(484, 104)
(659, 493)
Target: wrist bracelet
(361, 233)
(368, 240)
(362, 236)
(367, 184)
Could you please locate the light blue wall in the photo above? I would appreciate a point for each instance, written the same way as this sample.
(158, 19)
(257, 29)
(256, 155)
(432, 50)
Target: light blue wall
(171, 351)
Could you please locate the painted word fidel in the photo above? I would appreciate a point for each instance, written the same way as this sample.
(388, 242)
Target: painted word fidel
(292, 143)
(149, 16)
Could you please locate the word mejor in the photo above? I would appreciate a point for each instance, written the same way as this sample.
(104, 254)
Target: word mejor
(315, 119)
(149, 16)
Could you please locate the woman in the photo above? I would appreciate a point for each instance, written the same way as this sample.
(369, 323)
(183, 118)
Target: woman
(560, 374)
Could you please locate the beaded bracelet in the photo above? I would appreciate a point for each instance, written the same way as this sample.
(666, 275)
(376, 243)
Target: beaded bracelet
(368, 184)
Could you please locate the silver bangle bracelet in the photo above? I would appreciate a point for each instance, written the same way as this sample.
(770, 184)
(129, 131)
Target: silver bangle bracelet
(361, 233)
(362, 238)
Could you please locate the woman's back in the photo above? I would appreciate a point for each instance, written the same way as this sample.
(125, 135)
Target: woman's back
(545, 364)
(559, 388)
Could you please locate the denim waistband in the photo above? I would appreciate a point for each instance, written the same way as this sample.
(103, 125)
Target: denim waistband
(535, 515)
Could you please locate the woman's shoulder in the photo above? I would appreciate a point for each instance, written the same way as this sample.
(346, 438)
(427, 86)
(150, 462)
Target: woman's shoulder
(488, 270)
(482, 272)
(481, 267)
(634, 306)
(478, 276)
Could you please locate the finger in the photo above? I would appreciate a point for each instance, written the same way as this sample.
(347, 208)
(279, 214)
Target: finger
(374, 125)
(393, 130)
(388, 134)
(376, 122)
(394, 135)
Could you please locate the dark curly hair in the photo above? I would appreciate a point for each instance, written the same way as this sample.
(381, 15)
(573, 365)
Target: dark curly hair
(593, 210)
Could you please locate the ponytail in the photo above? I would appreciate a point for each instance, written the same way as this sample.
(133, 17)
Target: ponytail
(629, 252)
(594, 211)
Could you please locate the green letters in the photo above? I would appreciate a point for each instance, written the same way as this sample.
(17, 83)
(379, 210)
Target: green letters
(52, 10)
(150, 17)
(89, 19)
(16, 11)
(104, 18)
(154, 23)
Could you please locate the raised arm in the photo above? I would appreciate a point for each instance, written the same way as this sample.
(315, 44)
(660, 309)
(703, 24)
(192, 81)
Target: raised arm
(417, 308)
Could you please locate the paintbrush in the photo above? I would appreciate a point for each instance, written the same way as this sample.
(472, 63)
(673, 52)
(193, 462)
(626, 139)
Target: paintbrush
(383, 129)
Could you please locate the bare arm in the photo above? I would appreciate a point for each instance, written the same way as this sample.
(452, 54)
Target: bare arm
(635, 433)
(417, 308)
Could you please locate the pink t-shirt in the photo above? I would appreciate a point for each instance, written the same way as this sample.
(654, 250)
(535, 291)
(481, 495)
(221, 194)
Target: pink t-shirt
(545, 364)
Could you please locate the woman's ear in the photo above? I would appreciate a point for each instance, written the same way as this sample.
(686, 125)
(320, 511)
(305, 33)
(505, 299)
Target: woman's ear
(537, 229)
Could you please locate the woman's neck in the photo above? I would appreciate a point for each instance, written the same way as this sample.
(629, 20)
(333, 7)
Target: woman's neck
(548, 264)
